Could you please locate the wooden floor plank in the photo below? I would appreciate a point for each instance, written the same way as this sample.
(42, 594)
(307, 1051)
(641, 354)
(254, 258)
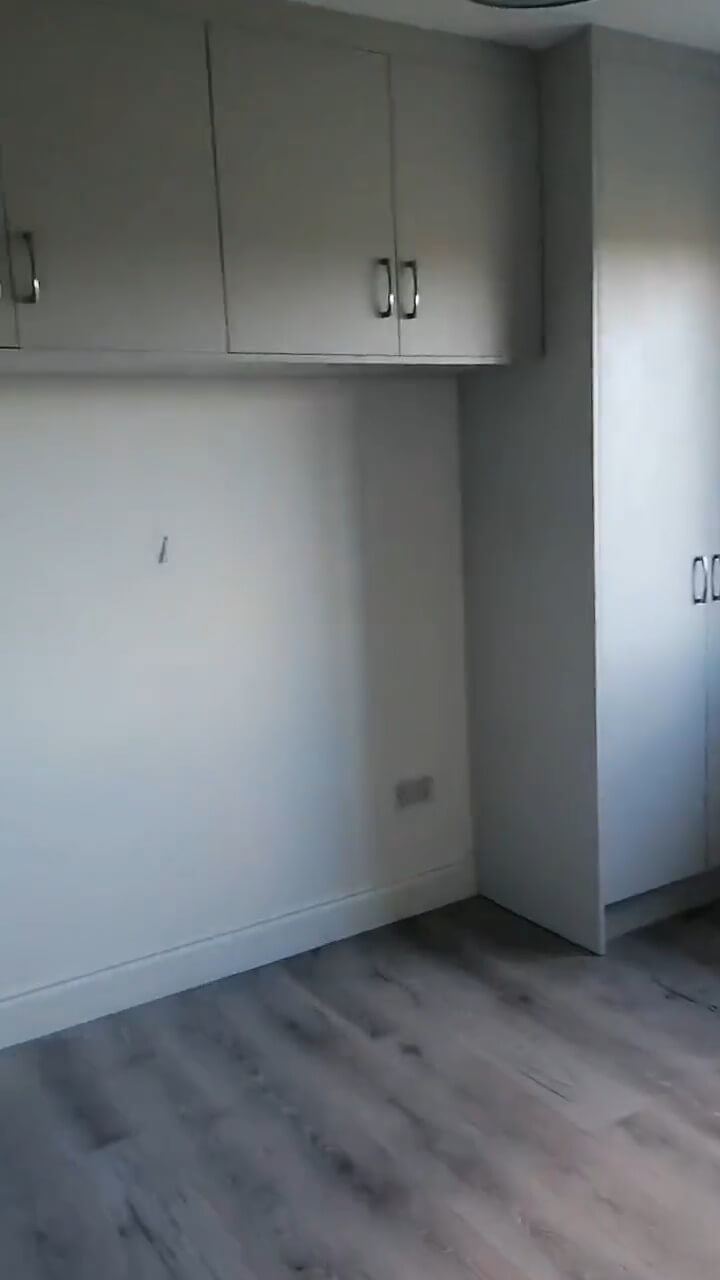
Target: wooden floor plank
(460, 1097)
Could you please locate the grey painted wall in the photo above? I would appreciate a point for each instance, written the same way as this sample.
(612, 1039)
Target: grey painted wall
(527, 462)
(190, 748)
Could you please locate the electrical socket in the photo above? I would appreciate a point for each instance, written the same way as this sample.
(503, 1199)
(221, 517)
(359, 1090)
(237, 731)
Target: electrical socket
(411, 791)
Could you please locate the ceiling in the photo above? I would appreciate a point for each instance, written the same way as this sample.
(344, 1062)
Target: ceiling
(693, 22)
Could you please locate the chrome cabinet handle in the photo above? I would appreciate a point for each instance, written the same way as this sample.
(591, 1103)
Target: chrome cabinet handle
(702, 596)
(412, 266)
(714, 585)
(33, 296)
(384, 313)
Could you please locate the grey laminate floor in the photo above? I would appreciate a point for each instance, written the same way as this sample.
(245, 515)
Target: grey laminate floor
(461, 1096)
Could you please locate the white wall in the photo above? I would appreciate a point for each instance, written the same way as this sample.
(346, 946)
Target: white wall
(190, 749)
(527, 453)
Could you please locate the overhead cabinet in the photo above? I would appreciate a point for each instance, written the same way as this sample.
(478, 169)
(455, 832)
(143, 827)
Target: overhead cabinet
(303, 145)
(289, 195)
(373, 206)
(467, 207)
(107, 165)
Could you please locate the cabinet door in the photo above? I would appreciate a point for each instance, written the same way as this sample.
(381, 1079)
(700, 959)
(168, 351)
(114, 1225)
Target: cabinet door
(713, 665)
(303, 144)
(467, 199)
(713, 716)
(8, 332)
(658, 299)
(107, 157)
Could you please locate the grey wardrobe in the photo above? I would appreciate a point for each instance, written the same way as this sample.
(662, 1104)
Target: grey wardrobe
(593, 510)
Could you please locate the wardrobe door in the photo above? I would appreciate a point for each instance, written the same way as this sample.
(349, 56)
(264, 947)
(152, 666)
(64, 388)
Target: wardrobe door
(8, 331)
(108, 170)
(658, 410)
(468, 208)
(713, 664)
(303, 145)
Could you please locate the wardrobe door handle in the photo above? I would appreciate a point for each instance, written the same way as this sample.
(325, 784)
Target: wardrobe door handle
(411, 265)
(702, 596)
(384, 313)
(32, 297)
(714, 586)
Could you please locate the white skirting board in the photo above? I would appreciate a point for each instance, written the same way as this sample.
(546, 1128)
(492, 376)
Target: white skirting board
(65, 1004)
